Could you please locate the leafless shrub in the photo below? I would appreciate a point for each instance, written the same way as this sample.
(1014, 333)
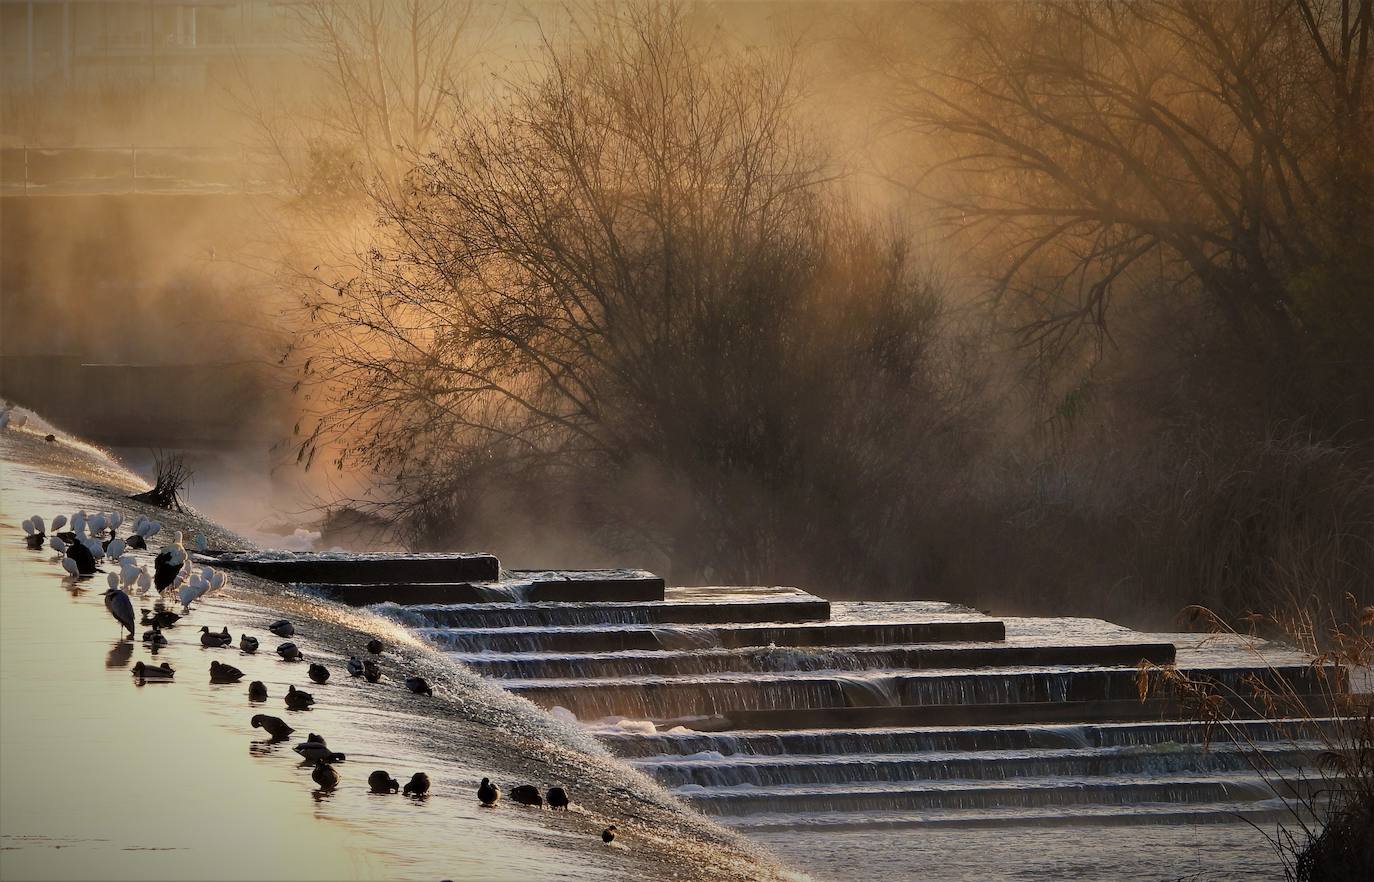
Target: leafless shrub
(631, 290)
(172, 476)
(1327, 834)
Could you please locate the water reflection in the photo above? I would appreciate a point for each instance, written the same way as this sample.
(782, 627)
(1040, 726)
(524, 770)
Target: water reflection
(119, 654)
(264, 748)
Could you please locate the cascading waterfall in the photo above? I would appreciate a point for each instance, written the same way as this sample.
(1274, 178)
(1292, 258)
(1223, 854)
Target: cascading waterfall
(638, 671)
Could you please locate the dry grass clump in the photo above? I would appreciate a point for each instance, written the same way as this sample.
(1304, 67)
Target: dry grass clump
(1327, 832)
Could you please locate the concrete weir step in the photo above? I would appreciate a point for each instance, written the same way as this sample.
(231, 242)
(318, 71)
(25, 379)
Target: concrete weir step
(658, 698)
(992, 714)
(960, 794)
(849, 742)
(519, 586)
(793, 606)
(611, 638)
(992, 765)
(774, 659)
(1190, 813)
(377, 568)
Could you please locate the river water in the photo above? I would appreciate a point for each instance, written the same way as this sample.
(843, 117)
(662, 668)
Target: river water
(106, 779)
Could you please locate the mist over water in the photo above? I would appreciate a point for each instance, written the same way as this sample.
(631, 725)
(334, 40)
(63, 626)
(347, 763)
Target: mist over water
(948, 314)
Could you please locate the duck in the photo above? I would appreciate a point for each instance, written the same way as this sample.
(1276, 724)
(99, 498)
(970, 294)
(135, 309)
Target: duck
(325, 776)
(224, 673)
(282, 628)
(558, 798)
(488, 793)
(317, 751)
(148, 672)
(374, 646)
(154, 636)
(213, 639)
(318, 673)
(82, 557)
(417, 786)
(355, 666)
(248, 644)
(257, 691)
(274, 726)
(608, 835)
(289, 652)
(527, 794)
(381, 782)
(419, 685)
(298, 700)
(119, 605)
(372, 672)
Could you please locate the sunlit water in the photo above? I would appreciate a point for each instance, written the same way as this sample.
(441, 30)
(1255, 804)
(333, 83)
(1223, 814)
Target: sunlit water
(103, 778)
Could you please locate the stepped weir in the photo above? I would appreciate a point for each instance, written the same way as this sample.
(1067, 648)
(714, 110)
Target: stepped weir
(773, 709)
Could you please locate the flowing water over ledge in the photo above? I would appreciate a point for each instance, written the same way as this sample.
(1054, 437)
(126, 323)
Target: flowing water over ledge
(782, 726)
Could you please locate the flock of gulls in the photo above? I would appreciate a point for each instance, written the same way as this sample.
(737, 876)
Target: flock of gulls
(91, 538)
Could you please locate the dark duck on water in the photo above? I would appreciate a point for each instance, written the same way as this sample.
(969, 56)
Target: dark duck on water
(418, 785)
(527, 794)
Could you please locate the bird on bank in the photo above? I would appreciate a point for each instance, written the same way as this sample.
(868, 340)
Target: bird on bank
(488, 793)
(213, 639)
(114, 549)
(419, 685)
(274, 726)
(282, 628)
(148, 672)
(257, 691)
(220, 673)
(527, 794)
(318, 673)
(372, 672)
(168, 563)
(558, 798)
(381, 782)
(248, 644)
(289, 652)
(374, 646)
(83, 558)
(298, 700)
(325, 776)
(608, 835)
(355, 666)
(317, 751)
(119, 605)
(35, 534)
(417, 786)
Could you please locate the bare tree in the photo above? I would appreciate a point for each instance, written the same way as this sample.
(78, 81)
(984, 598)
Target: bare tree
(387, 76)
(1109, 148)
(631, 276)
